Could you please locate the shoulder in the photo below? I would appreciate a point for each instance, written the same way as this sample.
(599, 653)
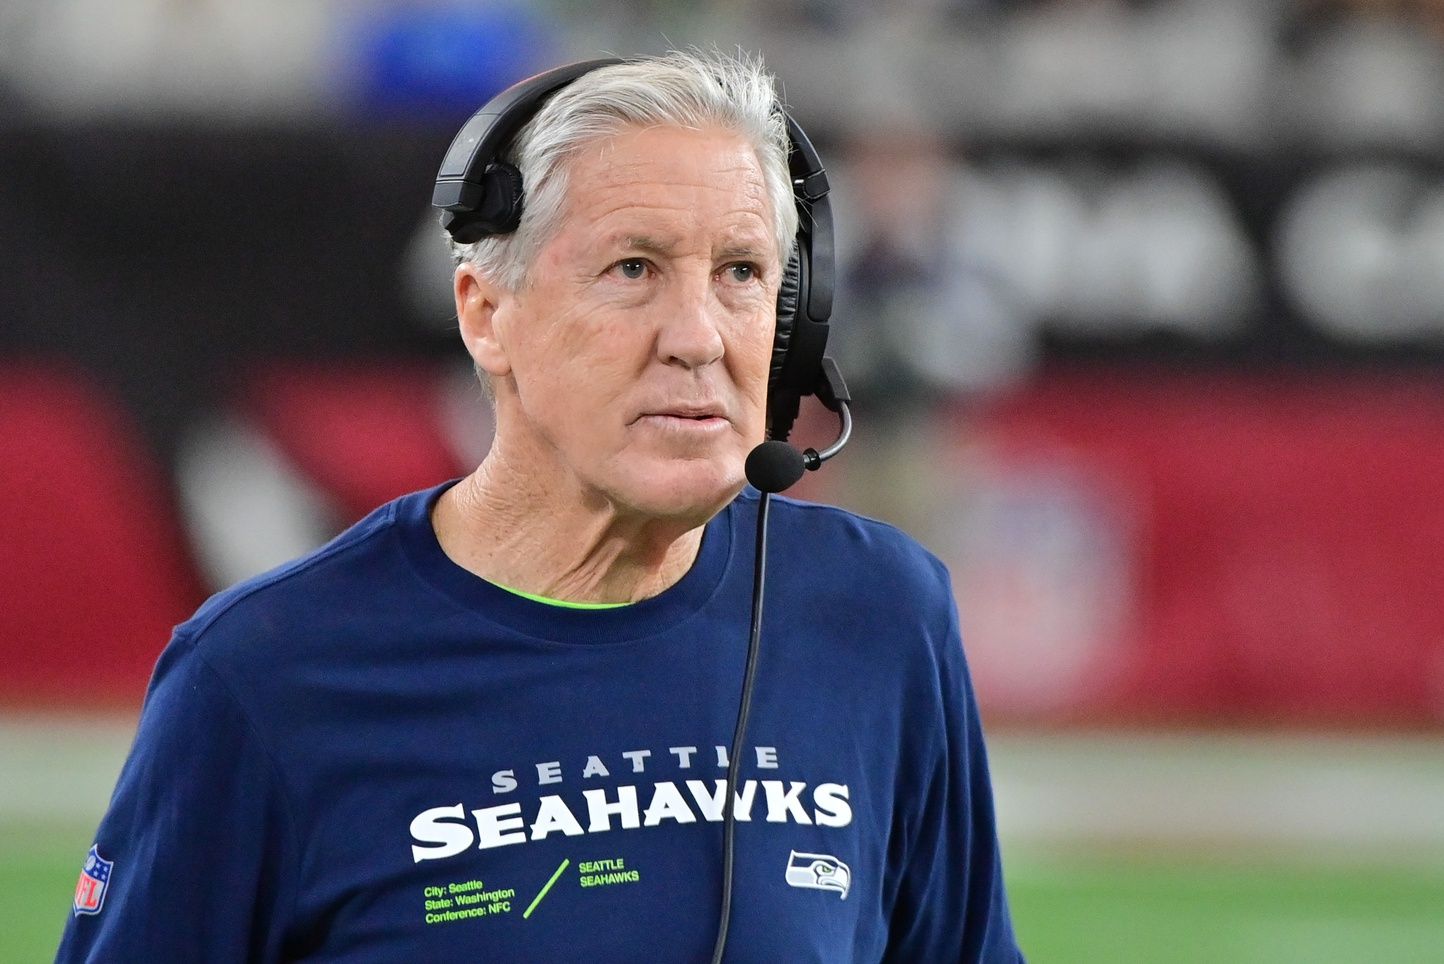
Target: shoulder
(842, 548)
(858, 584)
(297, 599)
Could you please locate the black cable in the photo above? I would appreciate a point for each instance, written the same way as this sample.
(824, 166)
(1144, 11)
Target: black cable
(739, 735)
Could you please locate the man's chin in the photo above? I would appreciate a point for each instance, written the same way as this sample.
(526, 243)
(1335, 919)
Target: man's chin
(686, 490)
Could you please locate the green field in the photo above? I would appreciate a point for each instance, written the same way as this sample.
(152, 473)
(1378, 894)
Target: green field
(1111, 908)
(1082, 907)
(38, 869)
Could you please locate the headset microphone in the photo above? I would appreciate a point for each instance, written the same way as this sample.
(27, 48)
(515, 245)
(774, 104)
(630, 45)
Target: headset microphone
(775, 466)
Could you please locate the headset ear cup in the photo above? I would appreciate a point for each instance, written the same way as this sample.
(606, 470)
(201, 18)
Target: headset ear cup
(497, 212)
(787, 295)
(501, 210)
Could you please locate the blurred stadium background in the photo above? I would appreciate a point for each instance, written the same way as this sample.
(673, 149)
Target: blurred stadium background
(1143, 303)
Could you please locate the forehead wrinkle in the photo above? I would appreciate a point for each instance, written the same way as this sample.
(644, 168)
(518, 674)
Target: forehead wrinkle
(643, 171)
(608, 199)
(679, 215)
(742, 231)
(627, 199)
(615, 193)
(642, 242)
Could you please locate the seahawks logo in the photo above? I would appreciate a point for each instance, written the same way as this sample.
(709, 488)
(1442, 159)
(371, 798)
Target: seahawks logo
(818, 872)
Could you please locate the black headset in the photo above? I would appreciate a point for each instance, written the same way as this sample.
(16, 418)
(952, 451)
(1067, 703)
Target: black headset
(481, 194)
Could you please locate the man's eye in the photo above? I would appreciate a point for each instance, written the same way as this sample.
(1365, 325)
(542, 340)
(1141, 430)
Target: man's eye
(742, 272)
(632, 269)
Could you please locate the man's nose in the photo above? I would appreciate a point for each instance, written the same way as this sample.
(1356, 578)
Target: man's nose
(690, 334)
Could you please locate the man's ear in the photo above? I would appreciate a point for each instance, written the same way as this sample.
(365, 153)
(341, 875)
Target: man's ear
(477, 299)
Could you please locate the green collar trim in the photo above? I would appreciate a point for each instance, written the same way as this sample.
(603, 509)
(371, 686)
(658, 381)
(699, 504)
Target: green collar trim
(562, 603)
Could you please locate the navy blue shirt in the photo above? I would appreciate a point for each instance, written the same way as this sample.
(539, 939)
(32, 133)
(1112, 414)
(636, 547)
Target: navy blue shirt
(373, 755)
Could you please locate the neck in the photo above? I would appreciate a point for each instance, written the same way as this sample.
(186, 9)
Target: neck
(507, 529)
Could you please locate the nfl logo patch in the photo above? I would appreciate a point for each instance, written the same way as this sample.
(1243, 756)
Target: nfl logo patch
(94, 880)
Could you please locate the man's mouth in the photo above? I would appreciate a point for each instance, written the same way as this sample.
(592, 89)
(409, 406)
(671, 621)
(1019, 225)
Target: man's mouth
(690, 413)
(684, 419)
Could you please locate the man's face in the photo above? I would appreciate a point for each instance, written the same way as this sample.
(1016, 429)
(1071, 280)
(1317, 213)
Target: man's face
(634, 361)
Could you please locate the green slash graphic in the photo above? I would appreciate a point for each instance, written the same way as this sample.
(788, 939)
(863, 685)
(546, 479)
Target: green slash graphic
(566, 861)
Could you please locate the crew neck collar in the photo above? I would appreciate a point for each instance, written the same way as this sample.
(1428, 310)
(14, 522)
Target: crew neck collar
(638, 620)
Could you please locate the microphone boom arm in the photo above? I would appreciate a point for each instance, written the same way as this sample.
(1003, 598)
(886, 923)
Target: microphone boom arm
(831, 392)
(812, 459)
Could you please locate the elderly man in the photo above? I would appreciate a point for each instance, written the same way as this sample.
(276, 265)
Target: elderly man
(491, 721)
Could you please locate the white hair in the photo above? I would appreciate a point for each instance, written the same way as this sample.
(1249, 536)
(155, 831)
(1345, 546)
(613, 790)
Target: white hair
(693, 90)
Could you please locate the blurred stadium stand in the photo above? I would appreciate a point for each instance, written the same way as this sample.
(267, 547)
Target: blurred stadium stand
(1144, 302)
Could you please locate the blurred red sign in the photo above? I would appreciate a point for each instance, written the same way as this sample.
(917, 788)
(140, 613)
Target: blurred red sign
(1203, 549)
